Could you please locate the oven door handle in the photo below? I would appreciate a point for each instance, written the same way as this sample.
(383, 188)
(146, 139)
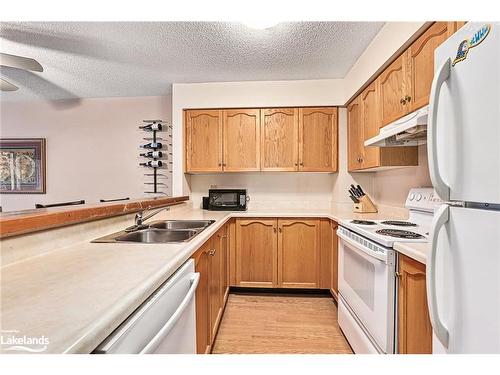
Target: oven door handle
(362, 248)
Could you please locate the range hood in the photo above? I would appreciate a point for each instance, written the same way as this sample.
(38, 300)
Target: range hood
(410, 130)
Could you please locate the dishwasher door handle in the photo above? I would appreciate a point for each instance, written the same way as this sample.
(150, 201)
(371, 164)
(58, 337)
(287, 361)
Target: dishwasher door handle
(164, 331)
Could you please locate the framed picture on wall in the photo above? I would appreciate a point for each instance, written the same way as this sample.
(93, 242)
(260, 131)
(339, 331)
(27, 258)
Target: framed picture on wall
(22, 166)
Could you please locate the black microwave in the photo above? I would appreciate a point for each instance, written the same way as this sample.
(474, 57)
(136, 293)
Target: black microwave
(227, 199)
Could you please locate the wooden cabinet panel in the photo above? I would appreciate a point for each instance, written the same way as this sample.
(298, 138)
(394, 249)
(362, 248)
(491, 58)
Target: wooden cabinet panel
(222, 246)
(241, 133)
(414, 326)
(453, 27)
(256, 253)
(354, 135)
(231, 237)
(393, 86)
(421, 55)
(279, 139)
(203, 330)
(318, 139)
(335, 260)
(298, 253)
(326, 254)
(370, 113)
(215, 285)
(203, 149)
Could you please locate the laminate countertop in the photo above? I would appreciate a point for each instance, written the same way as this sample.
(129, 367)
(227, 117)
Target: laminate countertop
(77, 295)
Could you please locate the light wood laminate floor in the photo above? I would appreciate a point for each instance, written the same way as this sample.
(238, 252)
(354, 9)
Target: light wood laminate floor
(280, 324)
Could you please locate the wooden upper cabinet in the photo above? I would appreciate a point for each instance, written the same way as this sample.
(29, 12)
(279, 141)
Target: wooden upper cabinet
(414, 326)
(279, 139)
(256, 251)
(453, 27)
(203, 131)
(318, 139)
(354, 135)
(370, 113)
(421, 55)
(299, 253)
(393, 87)
(241, 134)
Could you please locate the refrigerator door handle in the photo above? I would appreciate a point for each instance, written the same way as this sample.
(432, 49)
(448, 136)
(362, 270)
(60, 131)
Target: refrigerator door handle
(440, 218)
(440, 186)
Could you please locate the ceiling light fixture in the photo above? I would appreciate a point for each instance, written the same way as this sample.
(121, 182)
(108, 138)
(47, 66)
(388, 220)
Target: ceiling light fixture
(260, 24)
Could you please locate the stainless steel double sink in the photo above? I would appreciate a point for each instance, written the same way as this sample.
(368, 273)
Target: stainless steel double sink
(166, 231)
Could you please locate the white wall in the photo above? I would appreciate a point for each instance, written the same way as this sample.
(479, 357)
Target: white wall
(92, 146)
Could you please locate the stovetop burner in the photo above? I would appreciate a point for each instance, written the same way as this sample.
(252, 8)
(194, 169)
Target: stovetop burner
(399, 223)
(398, 233)
(363, 222)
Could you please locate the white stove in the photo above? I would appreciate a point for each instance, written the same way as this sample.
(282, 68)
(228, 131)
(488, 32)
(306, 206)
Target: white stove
(420, 202)
(367, 268)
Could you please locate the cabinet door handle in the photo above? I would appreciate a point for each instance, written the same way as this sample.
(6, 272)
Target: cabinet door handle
(274, 229)
(280, 230)
(296, 164)
(408, 98)
(302, 164)
(220, 164)
(212, 252)
(398, 274)
(403, 101)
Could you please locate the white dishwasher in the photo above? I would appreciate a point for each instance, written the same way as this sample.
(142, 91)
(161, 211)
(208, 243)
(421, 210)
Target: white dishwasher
(164, 323)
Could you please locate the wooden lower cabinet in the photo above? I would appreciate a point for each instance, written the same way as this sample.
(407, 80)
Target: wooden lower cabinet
(414, 326)
(335, 260)
(326, 246)
(211, 262)
(298, 253)
(256, 255)
(203, 330)
(281, 253)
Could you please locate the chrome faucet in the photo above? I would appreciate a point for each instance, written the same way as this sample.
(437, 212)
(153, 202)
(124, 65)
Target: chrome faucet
(140, 218)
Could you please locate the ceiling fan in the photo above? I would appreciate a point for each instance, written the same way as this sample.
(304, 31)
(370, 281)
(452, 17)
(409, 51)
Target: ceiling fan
(18, 62)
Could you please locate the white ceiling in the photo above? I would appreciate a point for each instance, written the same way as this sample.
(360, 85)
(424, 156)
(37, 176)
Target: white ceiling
(106, 59)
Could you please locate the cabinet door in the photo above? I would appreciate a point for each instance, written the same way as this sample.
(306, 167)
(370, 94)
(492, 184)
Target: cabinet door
(370, 112)
(421, 56)
(203, 332)
(318, 139)
(354, 135)
(414, 326)
(393, 87)
(326, 254)
(298, 253)
(224, 273)
(279, 139)
(203, 140)
(335, 260)
(256, 253)
(215, 285)
(241, 133)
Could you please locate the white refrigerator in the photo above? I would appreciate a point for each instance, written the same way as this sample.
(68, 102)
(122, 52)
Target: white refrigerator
(463, 262)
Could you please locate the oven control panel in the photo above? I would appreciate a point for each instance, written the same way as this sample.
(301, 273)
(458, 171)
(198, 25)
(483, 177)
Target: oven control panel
(424, 199)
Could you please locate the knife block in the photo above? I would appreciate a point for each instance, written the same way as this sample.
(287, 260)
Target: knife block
(365, 205)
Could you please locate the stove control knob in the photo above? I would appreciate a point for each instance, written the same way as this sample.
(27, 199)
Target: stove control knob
(419, 197)
(412, 196)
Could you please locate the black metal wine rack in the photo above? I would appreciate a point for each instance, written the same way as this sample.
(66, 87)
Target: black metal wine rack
(156, 184)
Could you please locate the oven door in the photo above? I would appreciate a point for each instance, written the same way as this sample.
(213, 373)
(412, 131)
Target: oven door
(367, 284)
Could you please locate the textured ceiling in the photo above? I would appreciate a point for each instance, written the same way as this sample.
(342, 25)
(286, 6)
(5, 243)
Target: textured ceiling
(104, 59)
